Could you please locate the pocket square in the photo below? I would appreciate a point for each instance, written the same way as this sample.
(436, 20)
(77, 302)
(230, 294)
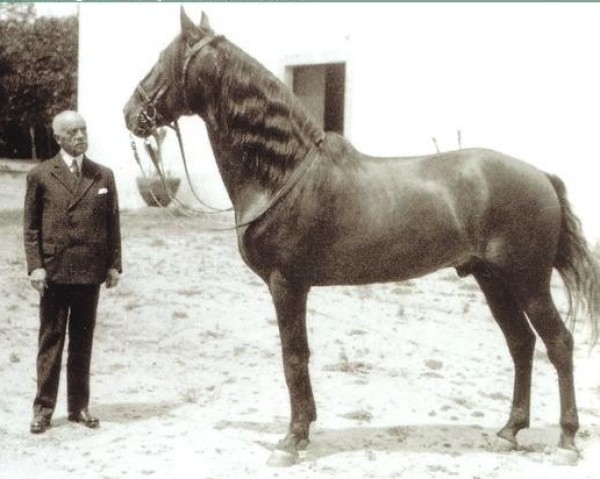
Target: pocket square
(102, 191)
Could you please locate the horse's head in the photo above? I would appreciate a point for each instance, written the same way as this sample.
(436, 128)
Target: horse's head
(160, 98)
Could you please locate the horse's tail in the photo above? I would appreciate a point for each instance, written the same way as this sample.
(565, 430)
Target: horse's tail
(576, 265)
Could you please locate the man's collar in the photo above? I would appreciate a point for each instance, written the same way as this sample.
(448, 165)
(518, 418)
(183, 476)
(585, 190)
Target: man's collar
(68, 159)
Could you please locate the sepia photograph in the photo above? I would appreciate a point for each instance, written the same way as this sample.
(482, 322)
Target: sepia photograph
(299, 240)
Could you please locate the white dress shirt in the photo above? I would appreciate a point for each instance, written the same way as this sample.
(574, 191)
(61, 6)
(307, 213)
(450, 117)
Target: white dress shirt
(68, 159)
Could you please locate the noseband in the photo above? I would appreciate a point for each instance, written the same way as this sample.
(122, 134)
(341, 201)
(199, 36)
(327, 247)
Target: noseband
(149, 115)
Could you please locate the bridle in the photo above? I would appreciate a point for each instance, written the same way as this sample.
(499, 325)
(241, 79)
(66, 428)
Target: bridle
(190, 53)
(149, 115)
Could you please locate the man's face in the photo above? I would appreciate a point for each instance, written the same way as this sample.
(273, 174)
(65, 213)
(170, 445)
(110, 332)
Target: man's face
(72, 135)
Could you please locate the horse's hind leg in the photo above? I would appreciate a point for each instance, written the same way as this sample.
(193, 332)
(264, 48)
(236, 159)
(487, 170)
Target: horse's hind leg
(546, 320)
(521, 342)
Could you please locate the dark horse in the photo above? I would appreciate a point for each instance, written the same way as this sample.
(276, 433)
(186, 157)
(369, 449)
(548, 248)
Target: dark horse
(313, 211)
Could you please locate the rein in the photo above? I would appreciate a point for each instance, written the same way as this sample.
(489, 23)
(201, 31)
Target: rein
(149, 114)
(162, 177)
(175, 127)
(298, 173)
(161, 174)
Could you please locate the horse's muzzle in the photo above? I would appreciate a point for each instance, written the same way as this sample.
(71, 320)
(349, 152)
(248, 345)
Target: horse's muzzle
(138, 122)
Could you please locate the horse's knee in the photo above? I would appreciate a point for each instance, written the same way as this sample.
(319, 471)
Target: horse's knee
(523, 346)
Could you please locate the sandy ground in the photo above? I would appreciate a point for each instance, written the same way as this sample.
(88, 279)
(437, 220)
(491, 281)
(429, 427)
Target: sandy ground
(411, 380)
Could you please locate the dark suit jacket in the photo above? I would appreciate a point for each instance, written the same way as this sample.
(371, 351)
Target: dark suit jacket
(72, 228)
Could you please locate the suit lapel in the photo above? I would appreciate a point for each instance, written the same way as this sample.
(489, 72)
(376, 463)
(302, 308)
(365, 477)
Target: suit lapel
(62, 174)
(89, 174)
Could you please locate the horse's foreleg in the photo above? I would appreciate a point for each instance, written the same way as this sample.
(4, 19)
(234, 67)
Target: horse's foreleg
(521, 342)
(290, 299)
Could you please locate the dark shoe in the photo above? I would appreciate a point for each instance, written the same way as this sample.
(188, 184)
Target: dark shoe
(84, 417)
(39, 424)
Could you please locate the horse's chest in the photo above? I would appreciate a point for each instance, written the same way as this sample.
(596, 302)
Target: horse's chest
(283, 248)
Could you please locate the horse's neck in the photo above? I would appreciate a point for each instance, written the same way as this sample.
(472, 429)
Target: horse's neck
(259, 131)
(246, 193)
(225, 161)
(247, 179)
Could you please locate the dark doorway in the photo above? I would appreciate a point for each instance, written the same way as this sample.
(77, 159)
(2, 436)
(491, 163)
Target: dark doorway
(322, 89)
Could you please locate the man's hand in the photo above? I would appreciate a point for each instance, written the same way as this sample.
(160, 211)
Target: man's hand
(112, 279)
(37, 278)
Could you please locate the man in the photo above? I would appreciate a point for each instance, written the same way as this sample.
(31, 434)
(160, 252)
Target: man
(72, 245)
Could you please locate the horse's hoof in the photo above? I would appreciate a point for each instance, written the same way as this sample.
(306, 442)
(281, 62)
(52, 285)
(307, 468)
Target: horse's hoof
(500, 444)
(565, 457)
(281, 458)
(302, 444)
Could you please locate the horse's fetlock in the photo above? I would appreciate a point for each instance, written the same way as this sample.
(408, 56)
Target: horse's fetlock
(570, 426)
(296, 360)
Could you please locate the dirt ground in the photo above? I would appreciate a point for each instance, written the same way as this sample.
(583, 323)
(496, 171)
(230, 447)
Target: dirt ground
(412, 380)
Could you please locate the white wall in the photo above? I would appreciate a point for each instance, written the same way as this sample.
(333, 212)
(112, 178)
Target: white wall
(519, 78)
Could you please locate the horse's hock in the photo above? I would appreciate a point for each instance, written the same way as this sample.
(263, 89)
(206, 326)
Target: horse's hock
(158, 192)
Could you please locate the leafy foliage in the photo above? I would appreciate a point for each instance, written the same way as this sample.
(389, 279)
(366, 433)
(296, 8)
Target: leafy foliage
(38, 76)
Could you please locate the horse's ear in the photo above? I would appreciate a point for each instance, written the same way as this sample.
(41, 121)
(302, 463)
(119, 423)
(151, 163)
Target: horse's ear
(190, 32)
(204, 23)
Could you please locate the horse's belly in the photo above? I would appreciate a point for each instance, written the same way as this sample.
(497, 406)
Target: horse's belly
(389, 258)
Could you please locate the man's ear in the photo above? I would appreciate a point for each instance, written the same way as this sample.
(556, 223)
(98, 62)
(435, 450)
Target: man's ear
(190, 32)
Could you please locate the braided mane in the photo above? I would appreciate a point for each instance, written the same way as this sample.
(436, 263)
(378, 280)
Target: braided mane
(260, 117)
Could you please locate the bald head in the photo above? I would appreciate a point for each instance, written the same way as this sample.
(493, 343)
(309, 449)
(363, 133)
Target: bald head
(70, 132)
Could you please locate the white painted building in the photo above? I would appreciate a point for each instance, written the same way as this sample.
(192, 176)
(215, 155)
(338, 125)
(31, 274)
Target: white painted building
(520, 78)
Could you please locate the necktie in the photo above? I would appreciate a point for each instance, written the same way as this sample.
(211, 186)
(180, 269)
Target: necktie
(75, 168)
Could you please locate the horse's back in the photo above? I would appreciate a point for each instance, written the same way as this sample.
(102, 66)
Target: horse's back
(474, 189)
